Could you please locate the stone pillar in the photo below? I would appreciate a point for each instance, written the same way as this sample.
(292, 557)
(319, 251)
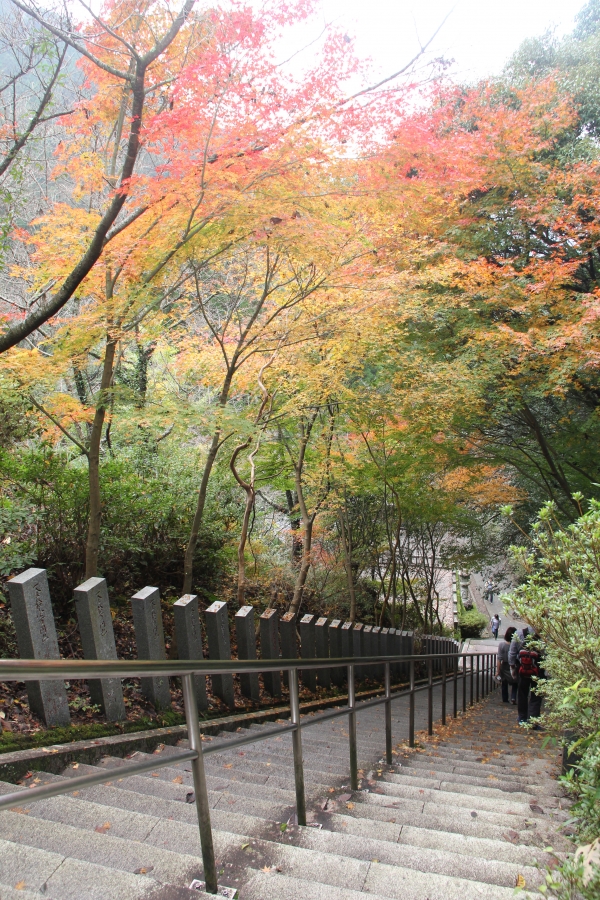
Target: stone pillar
(188, 634)
(98, 642)
(409, 643)
(150, 640)
(269, 649)
(219, 648)
(322, 649)
(368, 650)
(402, 645)
(335, 650)
(358, 650)
(384, 647)
(392, 649)
(376, 644)
(36, 638)
(308, 650)
(347, 637)
(246, 646)
(289, 640)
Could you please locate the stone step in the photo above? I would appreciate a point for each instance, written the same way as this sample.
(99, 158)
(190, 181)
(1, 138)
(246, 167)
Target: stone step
(501, 851)
(274, 886)
(456, 800)
(490, 759)
(166, 800)
(382, 881)
(216, 776)
(381, 823)
(459, 765)
(98, 804)
(407, 884)
(441, 861)
(11, 893)
(50, 874)
(464, 788)
(506, 784)
(101, 848)
(175, 790)
(438, 819)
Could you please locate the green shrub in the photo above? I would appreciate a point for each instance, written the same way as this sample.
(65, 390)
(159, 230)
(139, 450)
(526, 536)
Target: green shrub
(148, 505)
(561, 600)
(471, 623)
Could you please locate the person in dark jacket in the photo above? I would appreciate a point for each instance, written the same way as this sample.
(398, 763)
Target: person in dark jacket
(525, 666)
(503, 668)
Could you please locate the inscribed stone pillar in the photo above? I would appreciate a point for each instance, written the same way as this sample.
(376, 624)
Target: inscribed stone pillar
(409, 645)
(402, 645)
(335, 650)
(368, 650)
(308, 650)
(36, 638)
(322, 650)
(358, 650)
(246, 644)
(376, 644)
(289, 640)
(384, 647)
(392, 650)
(150, 640)
(188, 634)
(98, 642)
(219, 648)
(347, 638)
(269, 649)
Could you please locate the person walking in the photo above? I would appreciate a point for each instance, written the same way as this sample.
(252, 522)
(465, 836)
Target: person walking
(525, 666)
(495, 622)
(503, 668)
(489, 591)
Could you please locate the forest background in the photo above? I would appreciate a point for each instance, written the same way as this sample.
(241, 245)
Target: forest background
(274, 333)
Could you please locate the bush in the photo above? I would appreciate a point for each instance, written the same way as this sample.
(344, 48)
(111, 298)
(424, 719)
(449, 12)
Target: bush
(148, 504)
(471, 623)
(561, 600)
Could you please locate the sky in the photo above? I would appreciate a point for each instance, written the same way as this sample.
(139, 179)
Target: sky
(480, 35)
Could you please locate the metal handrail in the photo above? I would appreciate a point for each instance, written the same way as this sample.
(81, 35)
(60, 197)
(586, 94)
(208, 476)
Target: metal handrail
(58, 669)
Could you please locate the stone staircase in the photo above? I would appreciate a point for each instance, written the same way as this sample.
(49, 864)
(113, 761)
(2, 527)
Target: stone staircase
(464, 816)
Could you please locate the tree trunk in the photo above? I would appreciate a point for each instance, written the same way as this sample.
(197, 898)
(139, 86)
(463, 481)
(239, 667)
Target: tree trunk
(188, 565)
(292, 504)
(188, 561)
(304, 567)
(346, 544)
(241, 592)
(92, 546)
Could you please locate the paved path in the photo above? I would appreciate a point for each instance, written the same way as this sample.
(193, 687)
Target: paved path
(464, 816)
(497, 606)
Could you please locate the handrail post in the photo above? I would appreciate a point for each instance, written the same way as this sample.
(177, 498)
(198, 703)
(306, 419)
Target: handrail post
(464, 684)
(388, 714)
(352, 730)
(430, 696)
(200, 790)
(477, 685)
(411, 714)
(455, 697)
(297, 747)
(444, 691)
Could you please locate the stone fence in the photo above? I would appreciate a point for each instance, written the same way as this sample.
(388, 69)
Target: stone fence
(319, 638)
